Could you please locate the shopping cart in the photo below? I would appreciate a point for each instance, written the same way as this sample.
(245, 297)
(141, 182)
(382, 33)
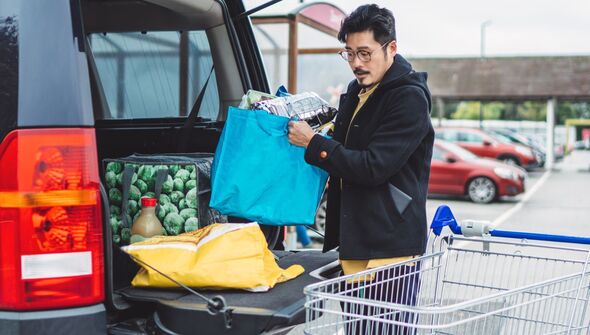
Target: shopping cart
(484, 282)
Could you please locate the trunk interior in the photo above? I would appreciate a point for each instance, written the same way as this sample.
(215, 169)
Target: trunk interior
(178, 310)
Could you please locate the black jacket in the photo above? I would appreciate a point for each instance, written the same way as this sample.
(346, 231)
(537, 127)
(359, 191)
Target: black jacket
(389, 142)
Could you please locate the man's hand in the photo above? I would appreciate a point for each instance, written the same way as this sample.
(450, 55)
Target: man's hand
(300, 133)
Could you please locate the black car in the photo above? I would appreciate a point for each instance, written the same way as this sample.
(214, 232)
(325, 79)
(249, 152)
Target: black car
(86, 80)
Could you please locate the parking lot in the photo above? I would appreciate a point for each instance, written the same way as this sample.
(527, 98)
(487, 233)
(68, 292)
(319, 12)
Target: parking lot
(556, 201)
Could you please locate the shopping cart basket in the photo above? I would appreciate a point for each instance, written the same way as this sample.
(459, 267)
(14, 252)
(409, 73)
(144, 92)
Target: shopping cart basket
(484, 282)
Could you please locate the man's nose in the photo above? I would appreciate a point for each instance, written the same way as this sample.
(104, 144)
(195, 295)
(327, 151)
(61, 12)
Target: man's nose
(355, 62)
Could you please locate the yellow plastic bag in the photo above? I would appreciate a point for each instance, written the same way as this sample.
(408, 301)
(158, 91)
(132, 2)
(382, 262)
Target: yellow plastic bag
(218, 256)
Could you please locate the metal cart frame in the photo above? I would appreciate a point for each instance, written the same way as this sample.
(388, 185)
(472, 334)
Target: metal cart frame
(484, 282)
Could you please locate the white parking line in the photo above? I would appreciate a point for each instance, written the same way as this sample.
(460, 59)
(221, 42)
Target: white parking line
(506, 215)
(502, 218)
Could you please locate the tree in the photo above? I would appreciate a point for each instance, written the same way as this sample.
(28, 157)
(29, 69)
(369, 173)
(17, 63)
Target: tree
(469, 110)
(532, 111)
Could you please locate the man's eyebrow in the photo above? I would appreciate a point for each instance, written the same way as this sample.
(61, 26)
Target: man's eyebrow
(359, 48)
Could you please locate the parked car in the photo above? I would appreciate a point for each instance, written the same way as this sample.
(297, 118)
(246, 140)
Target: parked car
(86, 80)
(518, 138)
(483, 144)
(456, 171)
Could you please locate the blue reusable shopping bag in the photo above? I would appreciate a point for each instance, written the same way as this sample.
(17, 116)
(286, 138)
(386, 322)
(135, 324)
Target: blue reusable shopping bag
(258, 175)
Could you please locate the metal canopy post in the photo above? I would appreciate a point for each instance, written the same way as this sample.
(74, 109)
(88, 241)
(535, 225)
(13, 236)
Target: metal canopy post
(293, 52)
(550, 157)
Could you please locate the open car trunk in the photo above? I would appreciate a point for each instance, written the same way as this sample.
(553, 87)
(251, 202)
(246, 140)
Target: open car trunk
(177, 310)
(148, 61)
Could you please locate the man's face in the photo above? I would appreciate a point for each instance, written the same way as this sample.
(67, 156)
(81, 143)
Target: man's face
(371, 72)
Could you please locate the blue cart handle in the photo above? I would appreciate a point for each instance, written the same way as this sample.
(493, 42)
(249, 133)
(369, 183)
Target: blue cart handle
(444, 218)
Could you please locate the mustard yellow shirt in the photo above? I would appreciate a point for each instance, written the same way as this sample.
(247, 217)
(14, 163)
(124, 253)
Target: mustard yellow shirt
(354, 266)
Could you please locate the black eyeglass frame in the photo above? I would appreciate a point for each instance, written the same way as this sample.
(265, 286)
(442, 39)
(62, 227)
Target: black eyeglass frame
(350, 55)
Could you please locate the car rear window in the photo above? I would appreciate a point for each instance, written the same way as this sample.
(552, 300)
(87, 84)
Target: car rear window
(8, 66)
(155, 74)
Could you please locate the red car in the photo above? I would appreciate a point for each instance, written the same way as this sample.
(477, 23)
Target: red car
(484, 144)
(455, 170)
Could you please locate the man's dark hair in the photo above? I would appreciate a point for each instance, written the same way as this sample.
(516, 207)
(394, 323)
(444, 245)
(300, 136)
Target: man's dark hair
(372, 18)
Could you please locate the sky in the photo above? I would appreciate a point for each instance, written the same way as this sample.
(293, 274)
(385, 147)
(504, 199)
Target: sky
(436, 28)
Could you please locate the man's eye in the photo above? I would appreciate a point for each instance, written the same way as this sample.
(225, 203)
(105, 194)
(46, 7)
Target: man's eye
(363, 53)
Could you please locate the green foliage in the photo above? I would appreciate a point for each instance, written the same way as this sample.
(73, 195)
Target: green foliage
(471, 110)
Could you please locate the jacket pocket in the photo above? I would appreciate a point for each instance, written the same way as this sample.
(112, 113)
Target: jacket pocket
(400, 198)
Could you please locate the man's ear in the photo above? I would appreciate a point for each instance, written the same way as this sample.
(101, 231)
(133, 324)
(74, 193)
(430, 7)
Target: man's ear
(392, 47)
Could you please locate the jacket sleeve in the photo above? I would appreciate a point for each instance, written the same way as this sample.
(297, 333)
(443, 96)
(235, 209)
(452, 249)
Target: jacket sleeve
(400, 133)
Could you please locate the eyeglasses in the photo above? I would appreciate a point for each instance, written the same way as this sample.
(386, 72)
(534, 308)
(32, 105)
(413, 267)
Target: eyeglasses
(363, 55)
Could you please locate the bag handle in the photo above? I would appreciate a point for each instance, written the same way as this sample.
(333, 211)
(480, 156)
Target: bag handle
(161, 176)
(270, 127)
(126, 185)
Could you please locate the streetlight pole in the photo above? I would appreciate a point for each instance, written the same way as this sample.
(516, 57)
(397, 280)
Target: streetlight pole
(482, 55)
(482, 37)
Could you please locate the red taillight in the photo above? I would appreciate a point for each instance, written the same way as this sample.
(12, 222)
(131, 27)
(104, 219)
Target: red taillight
(51, 252)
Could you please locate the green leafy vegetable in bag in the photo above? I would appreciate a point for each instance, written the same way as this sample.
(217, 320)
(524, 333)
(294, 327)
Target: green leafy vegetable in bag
(110, 179)
(164, 199)
(115, 210)
(115, 196)
(191, 224)
(161, 213)
(188, 213)
(175, 197)
(115, 224)
(168, 185)
(134, 193)
(114, 167)
(173, 223)
(142, 186)
(172, 169)
(119, 179)
(178, 185)
(191, 198)
(146, 173)
(125, 235)
(190, 184)
(132, 207)
(170, 208)
(183, 174)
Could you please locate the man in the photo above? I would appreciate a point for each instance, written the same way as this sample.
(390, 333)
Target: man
(379, 156)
